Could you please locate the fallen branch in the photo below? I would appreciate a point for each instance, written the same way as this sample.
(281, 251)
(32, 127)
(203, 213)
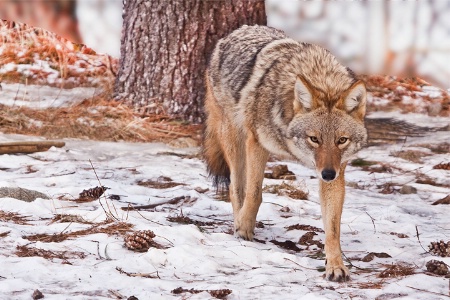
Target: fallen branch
(144, 275)
(28, 146)
(150, 206)
(422, 290)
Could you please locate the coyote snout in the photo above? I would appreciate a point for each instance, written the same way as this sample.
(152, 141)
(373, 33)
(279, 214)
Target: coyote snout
(328, 174)
(266, 93)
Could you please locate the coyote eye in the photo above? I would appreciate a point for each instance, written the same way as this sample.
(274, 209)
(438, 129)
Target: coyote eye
(342, 140)
(314, 139)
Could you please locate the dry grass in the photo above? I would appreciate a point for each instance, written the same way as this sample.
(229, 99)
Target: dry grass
(304, 227)
(43, 54)
(397, 270)
(13, 217)
(98, 118)
(162, 182)
(117, 228)
(397, 89)
(24, 251)
(286, 189)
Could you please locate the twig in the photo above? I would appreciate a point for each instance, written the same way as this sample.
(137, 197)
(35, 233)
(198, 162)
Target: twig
(417, 232)
(374, 228)
(147, 218)
(422, 290)
(145, 275)
(99, 201)
(150, 206)
(359, 268)
(315, 269)
(28, 146)
(98, 249)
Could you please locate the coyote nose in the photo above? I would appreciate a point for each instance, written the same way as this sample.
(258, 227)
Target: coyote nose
(328, 175)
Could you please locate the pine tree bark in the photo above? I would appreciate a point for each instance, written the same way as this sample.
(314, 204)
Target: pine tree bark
(165, 47)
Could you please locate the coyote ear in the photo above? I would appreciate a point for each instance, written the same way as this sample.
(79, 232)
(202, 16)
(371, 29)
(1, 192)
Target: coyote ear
(303, 95)
(355, 101)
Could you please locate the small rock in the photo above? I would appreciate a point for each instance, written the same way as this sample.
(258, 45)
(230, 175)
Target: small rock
(279, 170)
(285, 209)
(407, 189)
(21, 194)
(437, 267)
(37, 295)
(372, 255)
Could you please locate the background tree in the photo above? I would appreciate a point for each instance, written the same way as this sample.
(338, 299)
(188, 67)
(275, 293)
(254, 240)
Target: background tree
(165, 47)
(58, 16)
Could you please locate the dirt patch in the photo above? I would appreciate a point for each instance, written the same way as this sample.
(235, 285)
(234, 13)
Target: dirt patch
(288, 245)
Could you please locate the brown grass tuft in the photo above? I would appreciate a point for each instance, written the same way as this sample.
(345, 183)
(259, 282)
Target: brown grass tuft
(13, 217)
(286, 189)
(400, 269)
(118, 228)
(24, 251)
(162, 182)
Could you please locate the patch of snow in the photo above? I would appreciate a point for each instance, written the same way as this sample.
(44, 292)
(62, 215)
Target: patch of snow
(208, 257)
(42, 97)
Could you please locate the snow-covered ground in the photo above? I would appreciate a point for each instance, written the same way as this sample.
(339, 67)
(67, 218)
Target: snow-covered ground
(42, 96)
(205, 255)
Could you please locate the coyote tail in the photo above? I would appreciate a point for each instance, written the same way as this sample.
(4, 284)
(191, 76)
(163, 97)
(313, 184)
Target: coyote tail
(213, 153)
(217, 166)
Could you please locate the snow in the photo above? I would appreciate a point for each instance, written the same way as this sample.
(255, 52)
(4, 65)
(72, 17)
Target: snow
(209, 257)
(41, 96)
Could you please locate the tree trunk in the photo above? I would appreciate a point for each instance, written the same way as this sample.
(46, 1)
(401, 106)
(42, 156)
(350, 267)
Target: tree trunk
(165, 47)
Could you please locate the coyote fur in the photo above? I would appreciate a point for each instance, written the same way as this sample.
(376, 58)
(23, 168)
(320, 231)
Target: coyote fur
(268, 94)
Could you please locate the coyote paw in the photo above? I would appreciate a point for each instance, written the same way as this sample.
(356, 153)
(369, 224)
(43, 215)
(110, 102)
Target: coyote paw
(337, 273)
(244, 228)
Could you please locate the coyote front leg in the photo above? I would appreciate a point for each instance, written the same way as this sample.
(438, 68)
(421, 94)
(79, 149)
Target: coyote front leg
(332, 201)
(255, 162)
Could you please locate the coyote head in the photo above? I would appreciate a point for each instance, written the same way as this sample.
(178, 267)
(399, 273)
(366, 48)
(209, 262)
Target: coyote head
(327, 130)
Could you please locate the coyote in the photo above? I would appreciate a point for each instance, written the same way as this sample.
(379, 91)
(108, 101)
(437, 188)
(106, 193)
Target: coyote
(268, 94)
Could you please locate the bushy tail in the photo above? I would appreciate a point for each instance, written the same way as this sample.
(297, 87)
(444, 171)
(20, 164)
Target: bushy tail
(217, 166)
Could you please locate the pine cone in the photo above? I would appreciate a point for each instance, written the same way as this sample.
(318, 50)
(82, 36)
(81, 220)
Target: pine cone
(442, 166)
(93, 193)
(437, 267)
(220, 294)
(140, 241)
(440, 248)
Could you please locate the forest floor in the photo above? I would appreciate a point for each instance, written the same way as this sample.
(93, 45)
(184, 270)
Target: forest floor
(125, 208)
